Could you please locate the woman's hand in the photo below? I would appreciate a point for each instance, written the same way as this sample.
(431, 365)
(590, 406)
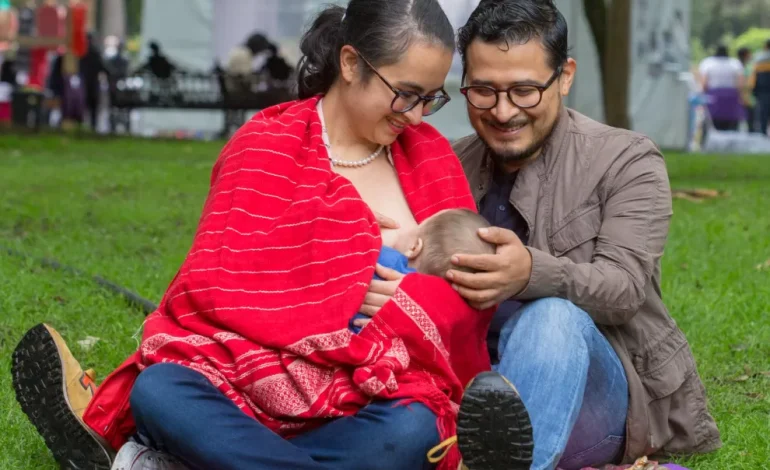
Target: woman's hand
(385, 222)
(379, 293)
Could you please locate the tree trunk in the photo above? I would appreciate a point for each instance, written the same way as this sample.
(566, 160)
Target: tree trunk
(610, 24)
(617, 70)
(596, 14)
(113, 18)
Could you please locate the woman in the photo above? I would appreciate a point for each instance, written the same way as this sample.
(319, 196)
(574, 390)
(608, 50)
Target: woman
(248, 362)
(748, 99)
(722, 79)
(8, 84)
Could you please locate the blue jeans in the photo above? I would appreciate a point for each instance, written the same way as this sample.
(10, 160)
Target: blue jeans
(178, 411)
(571, 381)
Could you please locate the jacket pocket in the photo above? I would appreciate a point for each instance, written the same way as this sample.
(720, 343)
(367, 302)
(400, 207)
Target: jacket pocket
(667, 371)
(577, 229)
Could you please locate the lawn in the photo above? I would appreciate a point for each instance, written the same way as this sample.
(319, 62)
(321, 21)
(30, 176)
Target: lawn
(127, 210)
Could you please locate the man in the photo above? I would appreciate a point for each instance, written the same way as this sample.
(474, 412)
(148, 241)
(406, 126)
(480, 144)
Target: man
(240, 67)
(581, 331)
(760, 81)
(158, 64)
(747, 95)
(276, 66)
(241, 58)
(91, 67)
(118, 65)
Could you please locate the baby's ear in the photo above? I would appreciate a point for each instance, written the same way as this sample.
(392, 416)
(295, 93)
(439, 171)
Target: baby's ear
(414, 250)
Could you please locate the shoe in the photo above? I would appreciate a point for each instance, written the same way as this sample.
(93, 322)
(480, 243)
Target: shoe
(493, 427)
(134, 456)
(54, 391)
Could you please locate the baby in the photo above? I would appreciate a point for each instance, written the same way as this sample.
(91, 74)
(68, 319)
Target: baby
(429, 247)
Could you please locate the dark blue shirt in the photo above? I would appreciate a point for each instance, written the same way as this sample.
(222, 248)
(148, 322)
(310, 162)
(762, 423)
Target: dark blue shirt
(496, 207)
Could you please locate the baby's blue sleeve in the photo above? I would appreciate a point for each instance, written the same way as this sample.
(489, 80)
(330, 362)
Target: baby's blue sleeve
(395, 260)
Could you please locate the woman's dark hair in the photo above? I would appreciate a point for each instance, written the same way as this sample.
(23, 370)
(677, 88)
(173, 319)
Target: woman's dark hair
(744, 53)
(381, 30)
(517, 22)
(722, 51)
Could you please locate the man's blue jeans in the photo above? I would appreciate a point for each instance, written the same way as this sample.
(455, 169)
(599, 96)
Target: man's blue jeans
(178, 411)
(571, 381)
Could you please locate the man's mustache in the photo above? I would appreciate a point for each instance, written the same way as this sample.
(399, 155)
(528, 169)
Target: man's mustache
(506, 125)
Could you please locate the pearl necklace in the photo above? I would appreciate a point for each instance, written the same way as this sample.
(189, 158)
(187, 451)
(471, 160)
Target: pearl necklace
(355, 163)
(343, 163)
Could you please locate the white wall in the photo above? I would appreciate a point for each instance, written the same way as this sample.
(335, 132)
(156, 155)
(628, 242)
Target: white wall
(660, 51)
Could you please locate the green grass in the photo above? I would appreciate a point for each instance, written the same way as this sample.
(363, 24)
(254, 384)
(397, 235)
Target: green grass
(127, 209)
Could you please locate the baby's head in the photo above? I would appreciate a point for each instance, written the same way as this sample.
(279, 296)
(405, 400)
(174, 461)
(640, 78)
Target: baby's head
(443, 235)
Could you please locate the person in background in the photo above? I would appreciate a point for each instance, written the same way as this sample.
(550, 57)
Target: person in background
(55, 85)
(163, 69)
(7, 86)
(749, 101)
(722, 80)
(91, 67)
(26, 28)
(276, 66)
(240, 67)
(241, 58)
(117, 64)
(158, 64)
(760, 83)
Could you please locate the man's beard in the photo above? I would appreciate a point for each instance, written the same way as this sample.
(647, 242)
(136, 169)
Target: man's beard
(513, 156)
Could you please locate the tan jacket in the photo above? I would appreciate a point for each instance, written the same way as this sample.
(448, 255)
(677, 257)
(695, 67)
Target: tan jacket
(597, 203)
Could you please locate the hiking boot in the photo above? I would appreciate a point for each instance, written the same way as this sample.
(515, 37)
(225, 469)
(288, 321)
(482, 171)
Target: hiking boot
(493, 427)
(134, 456)
(54, 391)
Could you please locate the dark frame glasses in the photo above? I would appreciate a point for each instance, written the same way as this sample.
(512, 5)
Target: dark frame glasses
(431, 104)
(521, 96)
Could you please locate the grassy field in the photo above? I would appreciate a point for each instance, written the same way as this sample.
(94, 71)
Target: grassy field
(127, 210)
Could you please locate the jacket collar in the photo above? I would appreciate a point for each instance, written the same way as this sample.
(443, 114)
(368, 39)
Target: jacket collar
(525, 195)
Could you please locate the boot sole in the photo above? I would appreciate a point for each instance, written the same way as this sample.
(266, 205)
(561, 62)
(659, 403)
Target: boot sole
(38, 380)
(493, 430)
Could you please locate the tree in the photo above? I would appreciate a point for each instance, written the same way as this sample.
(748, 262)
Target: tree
(112, 18)
(754, 39)
(716, 21)
(134, 16)
(610, 24)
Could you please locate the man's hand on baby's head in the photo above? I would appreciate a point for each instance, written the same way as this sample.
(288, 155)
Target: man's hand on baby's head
(499, 277)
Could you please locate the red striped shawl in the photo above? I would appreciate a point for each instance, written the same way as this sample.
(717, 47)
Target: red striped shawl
(283, 256)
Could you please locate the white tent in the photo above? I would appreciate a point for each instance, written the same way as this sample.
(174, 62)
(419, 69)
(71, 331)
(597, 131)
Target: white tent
(196, 33)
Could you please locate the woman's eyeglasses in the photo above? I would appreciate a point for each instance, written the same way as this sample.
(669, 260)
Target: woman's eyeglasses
(405, 101)
(522, 96)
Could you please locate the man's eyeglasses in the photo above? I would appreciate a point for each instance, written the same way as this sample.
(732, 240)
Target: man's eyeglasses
(405, 101)
(522, 96)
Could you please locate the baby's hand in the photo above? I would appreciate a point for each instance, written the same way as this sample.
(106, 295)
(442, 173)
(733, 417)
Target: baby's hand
(379, 292)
